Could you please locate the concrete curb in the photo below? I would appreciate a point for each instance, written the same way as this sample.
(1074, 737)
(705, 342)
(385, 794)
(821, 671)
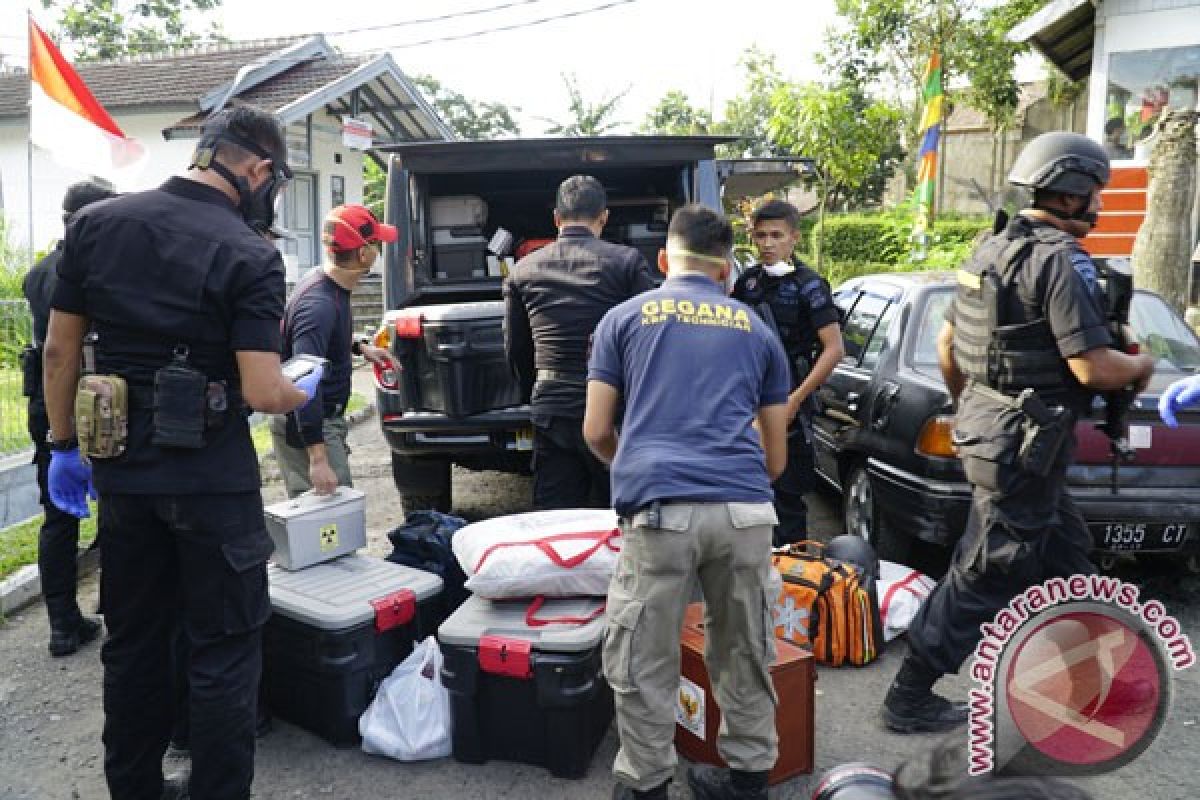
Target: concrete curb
(24, 586)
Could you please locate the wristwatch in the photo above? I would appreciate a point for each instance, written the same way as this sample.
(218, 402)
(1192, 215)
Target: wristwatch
(62, 445)
(357, 346)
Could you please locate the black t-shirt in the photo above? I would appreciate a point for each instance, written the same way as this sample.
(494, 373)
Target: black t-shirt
(1059, 282)
(801, 303)
(553, 301)
(155, 270)
(318, 322)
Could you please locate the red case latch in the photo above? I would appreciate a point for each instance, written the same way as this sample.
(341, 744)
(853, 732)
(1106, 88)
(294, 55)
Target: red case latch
(395, 609)
(499, 655)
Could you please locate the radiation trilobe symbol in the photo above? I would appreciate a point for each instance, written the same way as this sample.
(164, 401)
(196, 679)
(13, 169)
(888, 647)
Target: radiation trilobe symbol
(329, 537)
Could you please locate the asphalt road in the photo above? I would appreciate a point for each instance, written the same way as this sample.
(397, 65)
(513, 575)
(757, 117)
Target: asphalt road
(50, 709)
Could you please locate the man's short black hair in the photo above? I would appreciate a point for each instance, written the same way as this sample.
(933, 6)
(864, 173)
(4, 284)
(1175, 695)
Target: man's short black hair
(580, 197)
(777, 209)
(84, 193)
(1113, 125)
(250, 123)
(701, 230)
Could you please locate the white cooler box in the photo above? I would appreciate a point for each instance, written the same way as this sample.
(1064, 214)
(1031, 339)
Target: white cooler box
(312, 529)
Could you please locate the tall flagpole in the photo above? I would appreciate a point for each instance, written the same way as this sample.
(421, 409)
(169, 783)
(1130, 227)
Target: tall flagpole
(29, 132)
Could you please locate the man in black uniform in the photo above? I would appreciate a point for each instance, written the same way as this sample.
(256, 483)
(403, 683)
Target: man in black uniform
(58, 540)
(180, 297)
(796, 302)
(552, 302)
(1024, 348)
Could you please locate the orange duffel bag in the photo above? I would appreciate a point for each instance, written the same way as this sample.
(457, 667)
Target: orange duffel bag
(827, 606)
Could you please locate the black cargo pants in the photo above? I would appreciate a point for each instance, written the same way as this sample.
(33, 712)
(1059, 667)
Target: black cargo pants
(799, 477)
(196, 562)
(58, 539)
(1022, 529)
(565, 473)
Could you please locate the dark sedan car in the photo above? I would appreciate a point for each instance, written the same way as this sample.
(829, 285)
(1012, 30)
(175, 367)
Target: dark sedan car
(883, 434)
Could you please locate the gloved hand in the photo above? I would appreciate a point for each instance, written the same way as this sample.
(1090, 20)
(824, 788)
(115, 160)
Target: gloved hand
(1179, 395)
(70, 482)
(308, 384)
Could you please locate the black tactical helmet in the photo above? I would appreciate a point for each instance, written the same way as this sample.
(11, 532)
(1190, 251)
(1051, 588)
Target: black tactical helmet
(84, 193)
(855, 782)
(1061, 162)
(854, 550)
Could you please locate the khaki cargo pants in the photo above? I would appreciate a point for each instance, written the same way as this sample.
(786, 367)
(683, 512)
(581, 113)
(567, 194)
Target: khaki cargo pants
(293, 461)
(726, 547)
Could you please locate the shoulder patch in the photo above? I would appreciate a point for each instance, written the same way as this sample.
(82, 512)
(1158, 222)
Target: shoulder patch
(816, 294)
(1085, 268)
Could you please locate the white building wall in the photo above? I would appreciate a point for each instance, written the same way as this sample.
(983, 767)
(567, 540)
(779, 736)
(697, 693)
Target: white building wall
(1124, 25)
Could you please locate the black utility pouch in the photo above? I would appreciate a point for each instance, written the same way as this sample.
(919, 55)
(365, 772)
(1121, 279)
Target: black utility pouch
(31, 371)
(1044, 432)
(180, 404)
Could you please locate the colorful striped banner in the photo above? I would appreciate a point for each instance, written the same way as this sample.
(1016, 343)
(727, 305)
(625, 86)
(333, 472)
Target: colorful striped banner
(930, 132)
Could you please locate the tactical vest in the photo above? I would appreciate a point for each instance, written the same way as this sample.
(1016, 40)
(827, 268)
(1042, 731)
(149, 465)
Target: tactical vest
(781, 295)
(988, 347)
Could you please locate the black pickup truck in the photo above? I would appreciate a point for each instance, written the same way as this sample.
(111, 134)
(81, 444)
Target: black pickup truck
(452, 399)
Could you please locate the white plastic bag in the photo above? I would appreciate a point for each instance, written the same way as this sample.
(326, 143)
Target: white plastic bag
(562, 553)
(409, 719)
(901, 590)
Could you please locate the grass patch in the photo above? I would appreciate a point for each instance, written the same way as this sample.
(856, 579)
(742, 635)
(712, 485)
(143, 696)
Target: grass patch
(14, 407)
(19, 543)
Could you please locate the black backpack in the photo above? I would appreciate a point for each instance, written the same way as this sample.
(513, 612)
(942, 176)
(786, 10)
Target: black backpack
(423, 542)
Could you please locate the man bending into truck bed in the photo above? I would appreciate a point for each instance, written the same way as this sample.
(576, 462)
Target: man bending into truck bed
(553, 300)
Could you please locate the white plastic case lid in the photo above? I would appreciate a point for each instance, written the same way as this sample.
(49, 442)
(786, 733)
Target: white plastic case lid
(477, 618)
(338, 594)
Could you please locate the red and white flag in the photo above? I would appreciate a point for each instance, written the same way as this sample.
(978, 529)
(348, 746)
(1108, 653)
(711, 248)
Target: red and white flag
(68, 121)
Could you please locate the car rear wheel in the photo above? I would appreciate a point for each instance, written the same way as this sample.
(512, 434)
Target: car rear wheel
(862, 518)
(423, 483)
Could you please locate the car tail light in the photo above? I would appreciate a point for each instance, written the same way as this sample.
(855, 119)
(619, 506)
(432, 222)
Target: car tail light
(935, 438)
(409, 326)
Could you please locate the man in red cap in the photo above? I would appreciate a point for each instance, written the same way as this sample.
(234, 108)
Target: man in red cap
(310, 445)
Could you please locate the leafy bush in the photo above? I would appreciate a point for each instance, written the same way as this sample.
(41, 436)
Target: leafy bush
(886, 238)
(13, 265)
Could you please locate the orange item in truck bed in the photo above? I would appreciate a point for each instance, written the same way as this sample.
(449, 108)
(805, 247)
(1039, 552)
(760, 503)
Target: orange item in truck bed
(699, 718)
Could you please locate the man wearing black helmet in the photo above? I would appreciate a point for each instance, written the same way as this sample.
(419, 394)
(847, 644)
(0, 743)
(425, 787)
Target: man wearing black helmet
(180, 297)
(1024, 349)
(58, 539)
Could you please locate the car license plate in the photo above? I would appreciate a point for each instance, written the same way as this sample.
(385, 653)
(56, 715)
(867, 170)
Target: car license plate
(524, 438)
(1122, 536)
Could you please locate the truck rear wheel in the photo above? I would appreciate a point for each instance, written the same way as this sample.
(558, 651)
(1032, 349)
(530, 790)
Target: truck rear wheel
(423, 483)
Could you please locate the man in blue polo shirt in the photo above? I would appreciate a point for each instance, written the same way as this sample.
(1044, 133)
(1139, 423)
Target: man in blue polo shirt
(703, 384)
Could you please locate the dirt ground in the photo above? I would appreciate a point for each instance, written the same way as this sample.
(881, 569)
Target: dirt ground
(50, 709)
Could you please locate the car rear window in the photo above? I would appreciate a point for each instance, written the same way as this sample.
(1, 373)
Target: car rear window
(933, 315)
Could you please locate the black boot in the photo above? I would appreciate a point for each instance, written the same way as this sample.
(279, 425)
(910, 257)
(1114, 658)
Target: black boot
(623, 792)
(912, 707)
(714, 783)
(65, 641)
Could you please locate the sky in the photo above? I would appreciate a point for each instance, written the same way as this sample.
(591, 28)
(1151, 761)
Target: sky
(645, 46)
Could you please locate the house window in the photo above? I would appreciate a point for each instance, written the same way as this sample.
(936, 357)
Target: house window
(337, 189)
(1142, 84)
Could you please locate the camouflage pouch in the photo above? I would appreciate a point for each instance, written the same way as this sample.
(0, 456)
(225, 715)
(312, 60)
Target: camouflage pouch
(102, 415)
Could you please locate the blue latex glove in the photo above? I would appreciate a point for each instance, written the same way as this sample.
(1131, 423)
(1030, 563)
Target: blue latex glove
(308, 384)
(1181, 394)
(70, 482)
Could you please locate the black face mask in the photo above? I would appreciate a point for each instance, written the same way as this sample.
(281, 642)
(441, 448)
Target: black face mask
(257, 206)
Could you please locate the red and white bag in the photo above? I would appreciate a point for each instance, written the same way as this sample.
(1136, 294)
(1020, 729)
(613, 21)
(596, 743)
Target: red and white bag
(901, 591)
(564, 553)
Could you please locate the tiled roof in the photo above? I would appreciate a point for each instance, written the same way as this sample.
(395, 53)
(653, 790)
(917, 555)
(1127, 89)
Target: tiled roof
(179, 78)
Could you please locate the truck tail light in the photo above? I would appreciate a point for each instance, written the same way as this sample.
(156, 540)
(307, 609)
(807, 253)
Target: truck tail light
(409, 326)
(383, 337)
(387, 375)
(935, 438)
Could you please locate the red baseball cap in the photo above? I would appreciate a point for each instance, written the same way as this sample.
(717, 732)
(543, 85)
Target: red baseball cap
(352, 226)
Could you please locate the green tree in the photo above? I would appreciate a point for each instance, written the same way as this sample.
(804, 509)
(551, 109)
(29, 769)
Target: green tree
(848, 140)
(747, 114)
(676, 116)
(586, 118)
(91, 30)
(470, 119)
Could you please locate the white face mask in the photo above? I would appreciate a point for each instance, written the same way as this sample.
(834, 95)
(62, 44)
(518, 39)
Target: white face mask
(778, 270)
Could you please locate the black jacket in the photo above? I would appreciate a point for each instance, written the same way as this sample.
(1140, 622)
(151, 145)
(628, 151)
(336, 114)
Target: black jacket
(553, 300)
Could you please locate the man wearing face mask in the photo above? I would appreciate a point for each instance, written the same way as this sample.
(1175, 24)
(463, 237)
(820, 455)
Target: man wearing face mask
(180, 298)
(310, 445)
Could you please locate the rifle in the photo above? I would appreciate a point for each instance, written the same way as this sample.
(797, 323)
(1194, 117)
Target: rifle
(1118, 291)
